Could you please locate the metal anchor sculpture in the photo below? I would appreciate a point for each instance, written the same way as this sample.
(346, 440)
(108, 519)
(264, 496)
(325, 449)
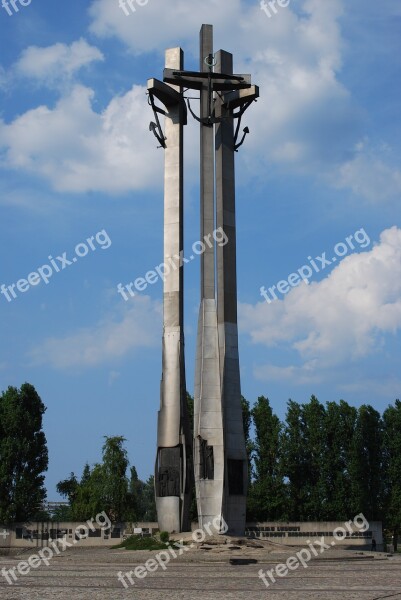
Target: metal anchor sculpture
(216, 82)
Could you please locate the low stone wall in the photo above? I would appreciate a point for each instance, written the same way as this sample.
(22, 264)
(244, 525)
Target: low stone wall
(299, 533)
(38, 535)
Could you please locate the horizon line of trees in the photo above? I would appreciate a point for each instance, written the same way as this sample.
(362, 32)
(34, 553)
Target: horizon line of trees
(321, 463)
(324, 463)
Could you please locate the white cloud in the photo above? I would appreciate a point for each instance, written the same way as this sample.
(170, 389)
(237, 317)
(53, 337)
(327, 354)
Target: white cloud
(294, 58)
(136, 326)
(55, 62)
(304, 375)
(342, 318)
(388, 387)
(305, 121)
(161, 24)
(369, 176)
(78, 150)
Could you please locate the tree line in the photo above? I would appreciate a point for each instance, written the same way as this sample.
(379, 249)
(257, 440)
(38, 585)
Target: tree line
(322, 462)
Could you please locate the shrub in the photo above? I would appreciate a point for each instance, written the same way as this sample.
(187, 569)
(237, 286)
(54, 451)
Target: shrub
(164, 536)
(137, 542)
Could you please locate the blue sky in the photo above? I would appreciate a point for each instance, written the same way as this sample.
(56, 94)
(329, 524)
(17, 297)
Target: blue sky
(322, 162)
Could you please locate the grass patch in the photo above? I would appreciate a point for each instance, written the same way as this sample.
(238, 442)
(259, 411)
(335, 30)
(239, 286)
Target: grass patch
(137, 542)
(164, 536)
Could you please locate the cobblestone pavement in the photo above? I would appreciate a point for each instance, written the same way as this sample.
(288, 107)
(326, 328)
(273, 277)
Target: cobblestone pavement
(91, 574)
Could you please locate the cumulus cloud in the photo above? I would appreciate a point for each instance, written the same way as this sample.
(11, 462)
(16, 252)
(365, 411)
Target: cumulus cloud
(112, 338)
(344, 317)
(306, 120)
(78, 149)
(55, 62)
(304, 375)
(368, 175)
(294, 58)
(140, 32)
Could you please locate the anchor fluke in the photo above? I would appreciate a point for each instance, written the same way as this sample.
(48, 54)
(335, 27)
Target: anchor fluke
(158, 133)
(246, 131)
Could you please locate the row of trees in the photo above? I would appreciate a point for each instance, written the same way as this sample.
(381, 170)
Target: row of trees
(324, 462)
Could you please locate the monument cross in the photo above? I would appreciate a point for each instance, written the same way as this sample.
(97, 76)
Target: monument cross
(219, 453)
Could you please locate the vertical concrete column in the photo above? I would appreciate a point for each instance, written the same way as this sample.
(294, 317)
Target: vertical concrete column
(206, 172)
(235, 452)
(172, 473)
(208, 418)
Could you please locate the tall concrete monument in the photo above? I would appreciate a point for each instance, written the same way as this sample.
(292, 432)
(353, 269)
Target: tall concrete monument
(219, 460)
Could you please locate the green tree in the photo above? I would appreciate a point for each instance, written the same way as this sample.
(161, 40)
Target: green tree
(41, 515)
(149, 513)
(68, 488)
(86, 497)
(190, 406)
(267, 499)
(313, 423)
(340, 425)
(366, 465)
(294, 461)
(392, 460)
(247, 421)
(23, 454)
(135, 502)
(62, 513)
(303, 460)
(104, 487)
(86, 473)
(90, 499)
(115, 464)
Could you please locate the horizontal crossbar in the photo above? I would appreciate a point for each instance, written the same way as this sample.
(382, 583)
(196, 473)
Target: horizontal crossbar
(198, 81)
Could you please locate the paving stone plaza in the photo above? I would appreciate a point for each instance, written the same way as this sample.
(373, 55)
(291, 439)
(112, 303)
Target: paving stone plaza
(91, 574)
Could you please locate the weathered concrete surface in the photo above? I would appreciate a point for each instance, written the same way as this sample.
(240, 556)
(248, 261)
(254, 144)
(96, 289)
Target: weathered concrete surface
(83, 574)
